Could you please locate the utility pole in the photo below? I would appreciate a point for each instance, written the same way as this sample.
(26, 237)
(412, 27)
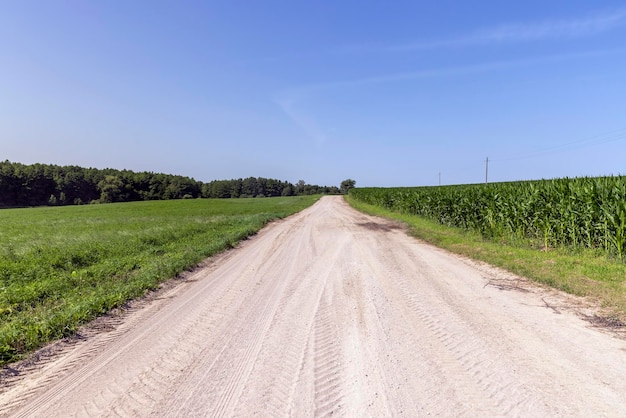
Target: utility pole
(440, 178)
(487, 170)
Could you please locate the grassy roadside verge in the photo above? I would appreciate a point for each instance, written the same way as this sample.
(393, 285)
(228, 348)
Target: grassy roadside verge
(579, 272)
(63, 266)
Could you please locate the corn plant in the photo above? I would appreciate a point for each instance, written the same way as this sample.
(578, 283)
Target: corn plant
(576, 212)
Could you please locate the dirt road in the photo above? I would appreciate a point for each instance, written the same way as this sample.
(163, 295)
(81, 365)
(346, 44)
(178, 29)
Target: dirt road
(334, 312)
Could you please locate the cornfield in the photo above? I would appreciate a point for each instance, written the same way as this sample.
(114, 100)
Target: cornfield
(587, 212)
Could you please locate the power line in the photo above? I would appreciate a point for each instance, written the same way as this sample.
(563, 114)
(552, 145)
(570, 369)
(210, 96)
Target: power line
(611, 136)
(599, 139)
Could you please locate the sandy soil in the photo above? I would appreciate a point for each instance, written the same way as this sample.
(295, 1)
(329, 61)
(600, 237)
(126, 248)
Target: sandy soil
(334, 312)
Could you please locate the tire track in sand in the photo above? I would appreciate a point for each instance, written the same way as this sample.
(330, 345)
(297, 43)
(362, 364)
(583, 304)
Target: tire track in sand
(290, 338)
(329, 365)
(475, 378)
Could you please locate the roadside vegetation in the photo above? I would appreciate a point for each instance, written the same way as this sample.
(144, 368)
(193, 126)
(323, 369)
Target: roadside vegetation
(63, 266)
(566, 233)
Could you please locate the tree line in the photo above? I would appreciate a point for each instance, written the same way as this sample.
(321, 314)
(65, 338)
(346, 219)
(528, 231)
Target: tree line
(45, 184)
(261, 187)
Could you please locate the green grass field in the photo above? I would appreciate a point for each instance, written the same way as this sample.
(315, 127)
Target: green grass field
(63, 266)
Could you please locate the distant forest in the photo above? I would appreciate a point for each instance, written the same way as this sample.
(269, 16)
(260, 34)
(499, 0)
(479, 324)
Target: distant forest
(43, 184)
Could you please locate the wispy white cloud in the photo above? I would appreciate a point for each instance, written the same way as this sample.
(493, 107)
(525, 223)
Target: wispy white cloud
(297, 93)
(514, 33)
(303, 120)
(291, 100)
(555, 29)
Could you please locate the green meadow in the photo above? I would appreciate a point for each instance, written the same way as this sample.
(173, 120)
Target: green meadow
(63, 266)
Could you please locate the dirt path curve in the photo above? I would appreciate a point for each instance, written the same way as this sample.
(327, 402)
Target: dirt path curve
(335, 312)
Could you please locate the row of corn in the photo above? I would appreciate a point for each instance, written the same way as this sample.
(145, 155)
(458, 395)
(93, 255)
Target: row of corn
(587, 211)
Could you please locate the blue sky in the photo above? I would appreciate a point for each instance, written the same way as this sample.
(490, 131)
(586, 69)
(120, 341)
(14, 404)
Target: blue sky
(386, 93)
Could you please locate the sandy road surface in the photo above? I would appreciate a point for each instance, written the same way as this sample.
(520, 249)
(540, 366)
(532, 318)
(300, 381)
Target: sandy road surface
(334, 312)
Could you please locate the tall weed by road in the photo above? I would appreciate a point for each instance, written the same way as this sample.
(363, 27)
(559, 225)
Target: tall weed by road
(62, 266)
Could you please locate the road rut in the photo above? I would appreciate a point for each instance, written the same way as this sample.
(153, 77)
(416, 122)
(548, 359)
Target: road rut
(333, 312)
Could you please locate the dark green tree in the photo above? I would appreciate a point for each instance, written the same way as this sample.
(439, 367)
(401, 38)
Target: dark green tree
(346, 185)
(110, 189)
(287, 190)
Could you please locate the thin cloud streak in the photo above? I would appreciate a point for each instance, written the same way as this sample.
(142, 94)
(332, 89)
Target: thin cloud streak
(514, 33)
(305, 122)
(443, 72)
(555, 29)
(288, 99)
